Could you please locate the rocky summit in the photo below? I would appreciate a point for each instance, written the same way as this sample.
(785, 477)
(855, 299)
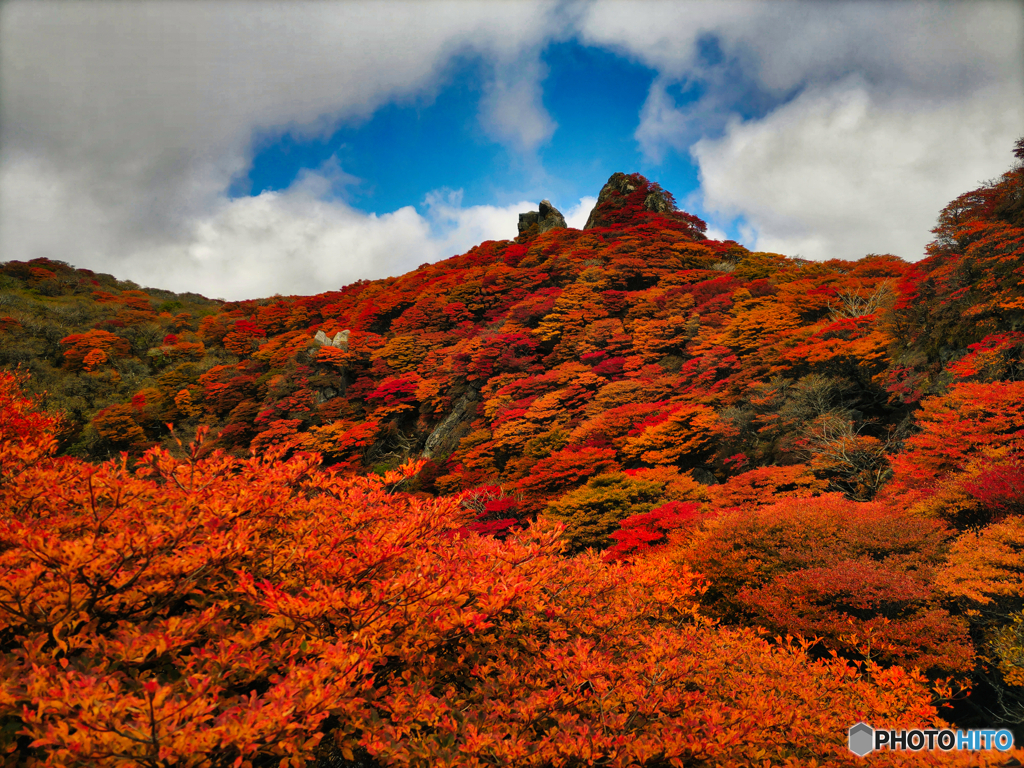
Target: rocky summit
(616, 190)
(545, 219)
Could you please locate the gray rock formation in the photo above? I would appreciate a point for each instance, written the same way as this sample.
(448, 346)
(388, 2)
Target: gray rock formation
(321, 396)
(340, 340)
(656, 202)
(445, 437)
(546, 219)
(703, 476)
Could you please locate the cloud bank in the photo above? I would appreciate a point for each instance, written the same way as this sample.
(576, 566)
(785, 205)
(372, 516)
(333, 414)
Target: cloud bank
(843, 173)
(824, 129)
(289, 242)
(863, 119)
(123, 126)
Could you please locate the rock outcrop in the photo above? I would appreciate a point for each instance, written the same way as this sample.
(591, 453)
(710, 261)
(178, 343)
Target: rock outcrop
(322, 394)
(445, 437)
(546, 219)
(340, 340)
(617, 189)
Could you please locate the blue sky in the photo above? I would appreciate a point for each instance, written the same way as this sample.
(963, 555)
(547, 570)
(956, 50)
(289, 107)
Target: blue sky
(403, 151)
(241, 150)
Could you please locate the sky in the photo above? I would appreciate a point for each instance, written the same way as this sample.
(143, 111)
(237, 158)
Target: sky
(247, 149)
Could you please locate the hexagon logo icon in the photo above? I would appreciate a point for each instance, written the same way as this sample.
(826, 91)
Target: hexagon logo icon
(862, 739)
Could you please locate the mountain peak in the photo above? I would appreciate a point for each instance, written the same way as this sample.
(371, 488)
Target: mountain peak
(543, 220)
(627, 199)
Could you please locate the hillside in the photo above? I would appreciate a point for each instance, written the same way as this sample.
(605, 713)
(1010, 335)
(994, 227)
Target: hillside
(727, 441)
(541, 342)
(538, 363)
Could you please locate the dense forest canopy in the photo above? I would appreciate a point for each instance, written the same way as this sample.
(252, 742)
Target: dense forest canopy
(625, 495)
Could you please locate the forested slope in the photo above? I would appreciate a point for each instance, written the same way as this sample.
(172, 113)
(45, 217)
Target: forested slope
(833, 448)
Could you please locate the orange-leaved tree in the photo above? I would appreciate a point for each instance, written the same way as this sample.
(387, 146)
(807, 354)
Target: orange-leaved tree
(81, 345)
(116, 424)
(970, 418)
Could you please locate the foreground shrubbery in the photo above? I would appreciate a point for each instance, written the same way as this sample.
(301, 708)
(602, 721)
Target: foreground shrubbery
(218, 611)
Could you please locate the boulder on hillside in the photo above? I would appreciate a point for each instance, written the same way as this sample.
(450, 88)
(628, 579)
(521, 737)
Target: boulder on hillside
(546, 219)
(340, 340)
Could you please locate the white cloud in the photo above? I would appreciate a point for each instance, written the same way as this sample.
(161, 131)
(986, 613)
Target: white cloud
(511, 110)
(285, 242)
(294, 242)
(939, 48)
(457, 229)
(714, 233)
(839, 173)
(511, 113)
(872, 115)
(576, 217)
(664, 125)
(124, 125)
(289, 242)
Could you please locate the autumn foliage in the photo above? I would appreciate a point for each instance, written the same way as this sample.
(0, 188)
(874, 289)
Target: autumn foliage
(225, 610)
(88, 350)
(554, 500)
